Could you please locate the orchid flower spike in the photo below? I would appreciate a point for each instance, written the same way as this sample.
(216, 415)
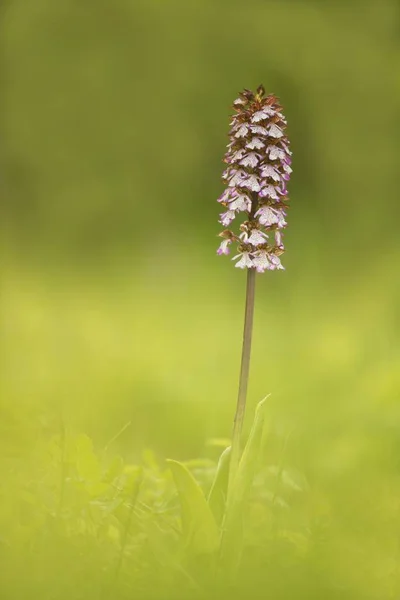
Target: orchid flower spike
(258, 169)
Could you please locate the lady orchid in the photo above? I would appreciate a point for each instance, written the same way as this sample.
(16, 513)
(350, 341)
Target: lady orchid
(258, 169)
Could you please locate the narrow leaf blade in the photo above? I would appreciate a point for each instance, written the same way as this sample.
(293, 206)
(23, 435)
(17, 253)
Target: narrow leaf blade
(232, 535)
(217, 495)
(248, 461)
(200, 531)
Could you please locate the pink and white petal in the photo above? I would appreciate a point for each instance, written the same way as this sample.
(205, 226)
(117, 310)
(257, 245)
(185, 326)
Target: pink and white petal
(226, 195)
(275, 131)
(257, 237)
(251, 183)
(241, 203)
(227, 217)
(275, 152)
(270, 171)
(250, 160)
(267, 216)
(255, 143)
(224, 247)
(258, 129)
(278, 238)
(275, 262)
(245, 261)
(238, 155)
(269, 191)
(238, 177)
(242, 131)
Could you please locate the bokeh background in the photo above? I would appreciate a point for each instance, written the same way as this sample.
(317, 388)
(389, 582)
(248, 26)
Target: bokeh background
(115, 309)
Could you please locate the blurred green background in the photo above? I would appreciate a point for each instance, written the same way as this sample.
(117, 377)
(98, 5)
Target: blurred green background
(114, 306)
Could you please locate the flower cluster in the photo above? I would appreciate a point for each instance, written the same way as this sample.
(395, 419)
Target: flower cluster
(258, 160)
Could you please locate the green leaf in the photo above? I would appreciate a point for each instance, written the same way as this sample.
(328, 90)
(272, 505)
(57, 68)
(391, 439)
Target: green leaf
(160, 544)
(199, 463)
(300, 541)
(289, 478)
(134, 476)
(97, 488)
(87, 464)
(218, 442)
(232, 536)
(217, 495)
(199, 529)
(166, 554)
(294, 480)
(114, 469)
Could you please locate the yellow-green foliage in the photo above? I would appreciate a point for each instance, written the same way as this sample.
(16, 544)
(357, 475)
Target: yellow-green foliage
(121, 332)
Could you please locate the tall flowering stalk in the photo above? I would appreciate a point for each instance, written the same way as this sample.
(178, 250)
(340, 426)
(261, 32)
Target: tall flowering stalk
(258, 170)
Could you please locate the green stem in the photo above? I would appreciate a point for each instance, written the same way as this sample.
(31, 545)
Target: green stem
(243, 381)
